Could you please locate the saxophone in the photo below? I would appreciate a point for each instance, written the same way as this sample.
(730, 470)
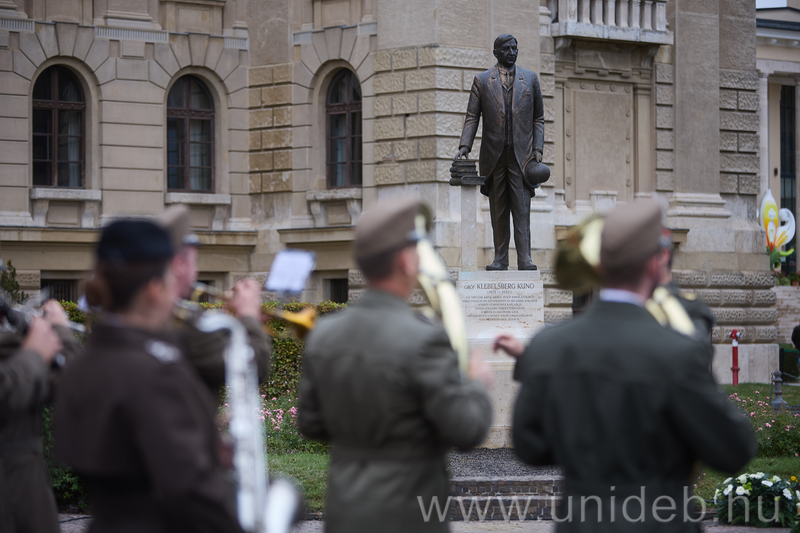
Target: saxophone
(261, 508)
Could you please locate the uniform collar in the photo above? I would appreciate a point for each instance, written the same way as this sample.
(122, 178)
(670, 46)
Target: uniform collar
(621, 296)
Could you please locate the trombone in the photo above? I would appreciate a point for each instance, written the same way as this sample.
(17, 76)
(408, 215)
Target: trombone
(301, 323)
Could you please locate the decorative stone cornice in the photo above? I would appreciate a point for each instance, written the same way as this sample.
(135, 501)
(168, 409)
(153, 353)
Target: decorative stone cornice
(682, 204)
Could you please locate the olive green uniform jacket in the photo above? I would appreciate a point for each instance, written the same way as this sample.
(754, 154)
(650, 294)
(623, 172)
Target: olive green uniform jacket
(382, 385)
(134, 419)
(206, 350)
(27, 503)
(619, 401)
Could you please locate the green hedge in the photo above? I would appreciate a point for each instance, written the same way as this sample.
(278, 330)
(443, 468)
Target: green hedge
(287, 356)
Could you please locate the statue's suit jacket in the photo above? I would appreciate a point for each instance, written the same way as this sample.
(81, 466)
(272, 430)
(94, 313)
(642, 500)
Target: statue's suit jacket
(527, 109)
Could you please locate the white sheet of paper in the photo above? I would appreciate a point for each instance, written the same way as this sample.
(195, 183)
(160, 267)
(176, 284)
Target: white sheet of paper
(290, 270)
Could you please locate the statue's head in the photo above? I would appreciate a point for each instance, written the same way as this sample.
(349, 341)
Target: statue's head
(505, 50)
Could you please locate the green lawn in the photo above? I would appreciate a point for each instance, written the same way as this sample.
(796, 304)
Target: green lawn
(309, 469)
(790, 393)
(785, 467)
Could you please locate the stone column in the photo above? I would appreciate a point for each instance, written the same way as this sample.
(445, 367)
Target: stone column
(796, 142)
(696, 97)
(763, 129)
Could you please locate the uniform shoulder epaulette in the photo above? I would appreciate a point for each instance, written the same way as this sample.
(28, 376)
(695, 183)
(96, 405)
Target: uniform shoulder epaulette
(162, 351)
(688, 296)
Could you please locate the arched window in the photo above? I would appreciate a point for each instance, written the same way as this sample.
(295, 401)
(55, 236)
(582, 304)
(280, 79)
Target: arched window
(58, 129)
(190, 136)
(344, 131)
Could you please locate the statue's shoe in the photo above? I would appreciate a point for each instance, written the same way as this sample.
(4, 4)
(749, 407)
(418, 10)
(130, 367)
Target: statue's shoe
(527, 266)
(497, 266)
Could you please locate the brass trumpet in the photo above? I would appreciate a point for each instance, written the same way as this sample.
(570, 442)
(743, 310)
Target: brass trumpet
(301, 323)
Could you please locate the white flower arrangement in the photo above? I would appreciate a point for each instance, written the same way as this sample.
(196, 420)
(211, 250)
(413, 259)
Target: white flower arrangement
(749, 491)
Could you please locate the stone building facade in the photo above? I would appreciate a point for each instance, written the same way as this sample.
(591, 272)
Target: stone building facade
(318, 108)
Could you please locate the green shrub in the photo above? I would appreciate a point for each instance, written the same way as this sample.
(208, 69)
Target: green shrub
(68, 488)
(10, 285)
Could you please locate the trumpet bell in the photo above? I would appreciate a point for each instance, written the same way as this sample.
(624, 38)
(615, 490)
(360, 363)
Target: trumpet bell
(301, 322)
(578, 257)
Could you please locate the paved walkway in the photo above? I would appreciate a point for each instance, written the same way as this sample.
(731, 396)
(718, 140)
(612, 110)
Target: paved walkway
(80, 524)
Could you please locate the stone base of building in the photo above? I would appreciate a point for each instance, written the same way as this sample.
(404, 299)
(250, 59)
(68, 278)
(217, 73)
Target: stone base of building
(757, 362)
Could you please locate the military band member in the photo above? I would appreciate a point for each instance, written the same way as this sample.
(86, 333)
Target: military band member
(699, 313)
(623, 404)
(27, 380)
(382, 385)
(205, 350)
(133, 418)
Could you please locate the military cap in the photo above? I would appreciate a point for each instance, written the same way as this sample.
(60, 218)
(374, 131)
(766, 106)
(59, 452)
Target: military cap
(177, 221)
(133, 241)
(386, 227)
(631, 233)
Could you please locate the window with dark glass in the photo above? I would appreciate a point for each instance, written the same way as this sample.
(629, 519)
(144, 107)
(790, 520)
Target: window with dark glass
(190, 136)
(344, 131)
(788, 177)
(58, 129)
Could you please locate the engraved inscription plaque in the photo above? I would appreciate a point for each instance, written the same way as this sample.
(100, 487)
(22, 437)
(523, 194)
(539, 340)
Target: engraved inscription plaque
(494, 304)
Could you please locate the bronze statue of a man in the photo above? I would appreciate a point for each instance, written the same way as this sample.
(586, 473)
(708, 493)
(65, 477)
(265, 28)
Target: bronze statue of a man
(511, 149)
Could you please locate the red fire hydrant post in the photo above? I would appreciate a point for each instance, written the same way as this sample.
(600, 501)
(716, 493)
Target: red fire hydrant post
(735, 335)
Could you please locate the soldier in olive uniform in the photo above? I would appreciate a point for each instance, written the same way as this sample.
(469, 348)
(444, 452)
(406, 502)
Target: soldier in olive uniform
(382, 385)
(204, 350)
(624, 405)
(701, 315)
(133, 418)
(27, 504)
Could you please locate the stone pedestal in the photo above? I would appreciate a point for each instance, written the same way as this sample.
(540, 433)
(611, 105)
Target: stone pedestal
(501, 302)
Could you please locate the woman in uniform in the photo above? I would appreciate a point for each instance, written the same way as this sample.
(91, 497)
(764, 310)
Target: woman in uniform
(132, 417)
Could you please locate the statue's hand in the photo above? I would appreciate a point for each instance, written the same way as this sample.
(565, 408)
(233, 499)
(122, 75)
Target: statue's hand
(462, 152)
(538, 156)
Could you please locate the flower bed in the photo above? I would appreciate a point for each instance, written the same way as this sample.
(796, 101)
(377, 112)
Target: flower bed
(776, 433)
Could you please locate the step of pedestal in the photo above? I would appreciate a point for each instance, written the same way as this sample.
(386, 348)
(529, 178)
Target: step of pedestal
(495, 498)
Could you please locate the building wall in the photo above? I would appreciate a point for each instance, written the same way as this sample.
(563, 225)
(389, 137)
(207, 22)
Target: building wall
(126, 65)
(654, 99)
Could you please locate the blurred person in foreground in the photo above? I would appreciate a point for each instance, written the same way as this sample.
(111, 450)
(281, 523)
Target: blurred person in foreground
(205, 350)
(700, 314)
(27, 380)
(626, 406)
(133, 418)
(382, 385)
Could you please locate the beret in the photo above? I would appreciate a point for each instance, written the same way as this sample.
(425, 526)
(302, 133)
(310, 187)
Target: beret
(386, 227)
(631, 233)
(133, 241)
(177, 221)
